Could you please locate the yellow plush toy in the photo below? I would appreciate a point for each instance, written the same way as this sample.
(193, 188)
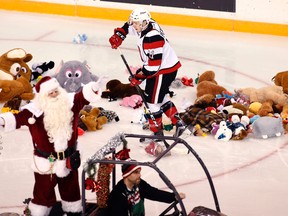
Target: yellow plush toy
(91, 121)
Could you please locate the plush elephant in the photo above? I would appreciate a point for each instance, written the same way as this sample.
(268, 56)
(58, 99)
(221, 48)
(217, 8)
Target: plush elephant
(72, 75)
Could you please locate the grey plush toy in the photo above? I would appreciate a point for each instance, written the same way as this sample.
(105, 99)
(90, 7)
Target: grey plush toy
(72, 75)
(265, 127)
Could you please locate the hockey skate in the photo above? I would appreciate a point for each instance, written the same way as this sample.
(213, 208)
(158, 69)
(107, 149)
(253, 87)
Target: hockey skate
(159, 140)
(180, 128)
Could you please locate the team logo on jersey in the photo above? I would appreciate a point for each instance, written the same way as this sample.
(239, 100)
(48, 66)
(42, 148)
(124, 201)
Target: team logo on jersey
(151, 54)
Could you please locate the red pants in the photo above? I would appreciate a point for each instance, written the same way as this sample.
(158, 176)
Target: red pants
(44, 192)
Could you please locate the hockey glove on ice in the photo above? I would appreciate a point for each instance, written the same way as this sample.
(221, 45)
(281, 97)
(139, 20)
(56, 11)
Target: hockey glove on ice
(117, 38)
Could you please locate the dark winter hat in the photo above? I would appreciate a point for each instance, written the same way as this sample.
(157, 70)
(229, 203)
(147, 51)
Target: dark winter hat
(46, 84)
(127, 169)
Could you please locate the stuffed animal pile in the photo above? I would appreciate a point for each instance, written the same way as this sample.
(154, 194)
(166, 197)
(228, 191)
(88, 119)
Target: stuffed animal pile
(233, 116)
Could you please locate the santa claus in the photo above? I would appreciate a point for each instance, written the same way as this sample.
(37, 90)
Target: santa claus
(52, 119)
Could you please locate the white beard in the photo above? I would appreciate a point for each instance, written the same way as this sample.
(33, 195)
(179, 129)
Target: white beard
(57, 116)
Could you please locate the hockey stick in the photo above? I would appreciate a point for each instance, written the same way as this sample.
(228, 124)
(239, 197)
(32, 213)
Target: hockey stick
(141, 94)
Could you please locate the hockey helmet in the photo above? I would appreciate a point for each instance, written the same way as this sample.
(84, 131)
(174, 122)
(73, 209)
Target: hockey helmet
(140, 15)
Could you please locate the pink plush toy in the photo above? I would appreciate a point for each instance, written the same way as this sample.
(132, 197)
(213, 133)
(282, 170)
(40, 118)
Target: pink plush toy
(134, 101)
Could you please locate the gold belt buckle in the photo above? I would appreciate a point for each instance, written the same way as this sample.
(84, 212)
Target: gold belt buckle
(59, 154)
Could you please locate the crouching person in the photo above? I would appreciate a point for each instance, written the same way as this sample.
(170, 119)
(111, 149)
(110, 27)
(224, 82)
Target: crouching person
(127, 197)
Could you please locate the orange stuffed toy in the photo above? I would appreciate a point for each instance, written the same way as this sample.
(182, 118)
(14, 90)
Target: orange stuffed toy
(281, 79)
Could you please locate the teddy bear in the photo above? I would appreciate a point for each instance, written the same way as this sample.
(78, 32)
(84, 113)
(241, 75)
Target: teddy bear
(90, 121)
(109, 114)
(273, 92)
(266, 108)
(116, 89)
(72, 75)
(284, 116)
(281, 79)
(134, 101)
(15, 75)
(208, 87)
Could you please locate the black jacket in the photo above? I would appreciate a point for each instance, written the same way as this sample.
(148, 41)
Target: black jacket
(117, 201)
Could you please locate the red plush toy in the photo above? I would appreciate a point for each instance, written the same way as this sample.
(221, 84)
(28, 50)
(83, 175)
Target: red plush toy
(186, 81)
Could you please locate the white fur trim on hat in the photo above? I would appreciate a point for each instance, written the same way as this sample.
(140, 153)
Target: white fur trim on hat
(49, 85)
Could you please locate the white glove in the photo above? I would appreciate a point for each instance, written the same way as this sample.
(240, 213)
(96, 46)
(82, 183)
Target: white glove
(97, 86)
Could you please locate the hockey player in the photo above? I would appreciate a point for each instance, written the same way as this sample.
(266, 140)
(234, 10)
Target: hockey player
(160, 66)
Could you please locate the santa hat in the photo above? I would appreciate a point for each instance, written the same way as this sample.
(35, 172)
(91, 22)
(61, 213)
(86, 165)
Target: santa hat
(46, 84)
(128, 169)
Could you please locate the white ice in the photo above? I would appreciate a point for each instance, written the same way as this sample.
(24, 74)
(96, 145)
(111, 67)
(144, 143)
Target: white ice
(250, 176)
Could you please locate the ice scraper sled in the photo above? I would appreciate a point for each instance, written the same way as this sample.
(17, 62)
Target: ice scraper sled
(177, 207)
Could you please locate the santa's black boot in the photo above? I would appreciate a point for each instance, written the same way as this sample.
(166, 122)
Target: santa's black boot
(72, 213)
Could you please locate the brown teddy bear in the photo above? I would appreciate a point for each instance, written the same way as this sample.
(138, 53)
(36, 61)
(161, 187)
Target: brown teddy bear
(90, 121)
(281, 79)
(273, 92)
(266, 108)
(115, 89)
(15, 75)
(208, 86)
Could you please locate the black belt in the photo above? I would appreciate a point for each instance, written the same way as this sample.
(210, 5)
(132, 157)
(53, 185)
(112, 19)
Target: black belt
(62, 155)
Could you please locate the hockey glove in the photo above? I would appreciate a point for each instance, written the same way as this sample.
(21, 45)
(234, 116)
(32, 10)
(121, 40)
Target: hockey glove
(117, 38)
(137, 79)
